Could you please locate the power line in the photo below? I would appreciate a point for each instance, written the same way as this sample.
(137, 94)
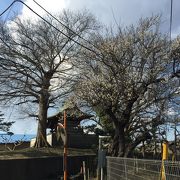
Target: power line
(7, 8)
(64, 24)
(170, 32)
(69, 37)
(170, 24)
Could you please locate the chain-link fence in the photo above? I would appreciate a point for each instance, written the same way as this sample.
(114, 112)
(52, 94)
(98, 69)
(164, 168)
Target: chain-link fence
(141, 169)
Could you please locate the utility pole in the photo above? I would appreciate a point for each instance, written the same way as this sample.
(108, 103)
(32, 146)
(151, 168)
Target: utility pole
(175, 140)
(65, 148)
(100, 174)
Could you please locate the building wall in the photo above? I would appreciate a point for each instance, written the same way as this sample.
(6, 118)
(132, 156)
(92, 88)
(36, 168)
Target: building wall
(82, 141)
(74, 140)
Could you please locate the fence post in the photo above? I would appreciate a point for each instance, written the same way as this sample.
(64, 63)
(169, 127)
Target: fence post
(125, 168)
(108, 168)
(136, 162)
(88, 174)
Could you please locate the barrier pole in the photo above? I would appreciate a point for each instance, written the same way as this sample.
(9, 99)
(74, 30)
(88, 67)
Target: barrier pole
(165, 151)
(65, 148)
(164, 157)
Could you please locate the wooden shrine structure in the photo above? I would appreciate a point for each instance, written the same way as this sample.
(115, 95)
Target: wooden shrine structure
(76, 138)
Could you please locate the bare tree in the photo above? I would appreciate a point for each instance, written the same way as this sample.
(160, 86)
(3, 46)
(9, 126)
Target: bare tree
(37, 61)
(8, 141)
(175, 55)
(127, 85)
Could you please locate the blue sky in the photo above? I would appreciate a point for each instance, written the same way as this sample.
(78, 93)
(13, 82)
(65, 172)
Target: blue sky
(5, 3)
(16, 8)
(124, 12)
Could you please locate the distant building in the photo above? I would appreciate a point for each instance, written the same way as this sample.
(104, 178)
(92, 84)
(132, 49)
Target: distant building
(76, 138)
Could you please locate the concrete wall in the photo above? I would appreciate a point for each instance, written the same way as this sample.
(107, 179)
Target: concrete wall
(41, 168)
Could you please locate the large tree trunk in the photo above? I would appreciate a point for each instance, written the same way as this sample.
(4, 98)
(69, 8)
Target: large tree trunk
(118, 145)
(131, 146)
(41, 140)
(119, 141)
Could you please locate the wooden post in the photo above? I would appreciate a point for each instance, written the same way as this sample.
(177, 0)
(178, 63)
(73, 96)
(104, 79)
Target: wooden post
(99, 169)
(65, 148)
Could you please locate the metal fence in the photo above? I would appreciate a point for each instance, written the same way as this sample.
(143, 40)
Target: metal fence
(141, 169)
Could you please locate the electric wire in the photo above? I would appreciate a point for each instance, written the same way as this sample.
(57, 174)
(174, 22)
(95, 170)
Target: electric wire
(170, 32)
(64, 24)
(7, 8)
(69, 37)
(170, 24)
(57, 28)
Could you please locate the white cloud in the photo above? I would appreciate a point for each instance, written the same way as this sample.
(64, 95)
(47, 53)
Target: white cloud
(52, 6)
(25, 126)
(124, 11)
